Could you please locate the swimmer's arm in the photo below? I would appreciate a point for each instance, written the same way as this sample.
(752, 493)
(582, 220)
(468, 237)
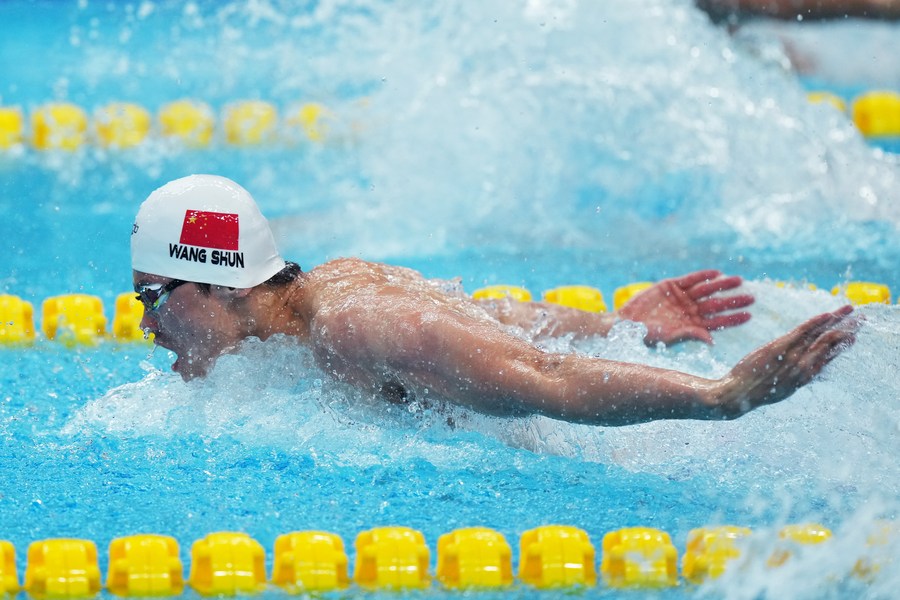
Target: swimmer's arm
(543, 319)
(674, 310)
(500, 374)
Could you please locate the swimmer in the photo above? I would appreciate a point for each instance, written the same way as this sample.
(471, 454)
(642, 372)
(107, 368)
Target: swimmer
(207, 270)
(725, 10)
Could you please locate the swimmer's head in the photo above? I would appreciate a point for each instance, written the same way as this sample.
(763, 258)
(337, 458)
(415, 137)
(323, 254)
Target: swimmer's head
(205, 229)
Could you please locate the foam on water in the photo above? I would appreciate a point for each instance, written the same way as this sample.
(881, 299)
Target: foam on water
(558, 122)
(513, 123)
(272, 393)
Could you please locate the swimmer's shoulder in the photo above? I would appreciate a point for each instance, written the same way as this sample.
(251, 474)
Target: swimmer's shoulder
(340, 269)
(343, 282)
(357, 269)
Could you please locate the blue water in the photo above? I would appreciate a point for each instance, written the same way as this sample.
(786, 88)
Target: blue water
(531, 143)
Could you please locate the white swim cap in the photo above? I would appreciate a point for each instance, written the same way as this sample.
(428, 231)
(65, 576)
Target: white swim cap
(206, 229)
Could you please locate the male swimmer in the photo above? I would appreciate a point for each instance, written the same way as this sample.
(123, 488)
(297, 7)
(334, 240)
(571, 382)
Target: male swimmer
(209, 275)
(801, 9)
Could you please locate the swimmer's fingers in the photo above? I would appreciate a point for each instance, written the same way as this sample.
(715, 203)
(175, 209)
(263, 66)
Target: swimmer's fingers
(719, 304)
(800, 366)
(816, 326)
(842, 313)
(816, 342)
(773, 372)
(699, 334)
(826, 348)
(709, 287)
(837, 328)
(686, 282)
(724, 321)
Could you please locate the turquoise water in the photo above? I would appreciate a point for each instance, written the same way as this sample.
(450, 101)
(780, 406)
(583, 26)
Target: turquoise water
(537, 144)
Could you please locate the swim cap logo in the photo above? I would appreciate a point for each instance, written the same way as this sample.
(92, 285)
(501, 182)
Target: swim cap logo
(202, 230)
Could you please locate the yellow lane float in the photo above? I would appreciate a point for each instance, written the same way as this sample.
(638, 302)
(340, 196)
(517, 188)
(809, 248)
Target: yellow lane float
(877, 114)
(121, 125)
(393, 558)
(582, 297)
(555, 556)
(709, 550)
(639, 557)
(310, 562)
(62, 568)
(73, 319)
(145, 565)
(793, 537)
(16, 320)
(312, 120)
(498, 292)
(250, 123)
(475, 557)
(828, 98)
(59, 127)
(864, 292)
(625, 293)
(12, 127)
(227, 563)
(189, 121)
(9, 578)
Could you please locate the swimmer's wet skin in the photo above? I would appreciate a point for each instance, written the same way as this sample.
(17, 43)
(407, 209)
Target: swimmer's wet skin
(387, 328)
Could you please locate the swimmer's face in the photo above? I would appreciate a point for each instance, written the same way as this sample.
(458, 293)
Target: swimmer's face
(197, 326)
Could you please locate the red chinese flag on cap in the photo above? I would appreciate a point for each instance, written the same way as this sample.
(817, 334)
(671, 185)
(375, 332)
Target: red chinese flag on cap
(210, 229)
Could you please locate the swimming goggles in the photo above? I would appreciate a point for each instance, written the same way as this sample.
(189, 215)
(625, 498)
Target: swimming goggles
(154, 295)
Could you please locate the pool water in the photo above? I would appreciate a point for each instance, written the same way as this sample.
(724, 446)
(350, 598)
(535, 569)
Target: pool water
(529, 143)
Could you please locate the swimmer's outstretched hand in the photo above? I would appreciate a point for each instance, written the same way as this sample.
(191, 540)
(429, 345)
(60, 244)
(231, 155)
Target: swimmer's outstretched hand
(775, 371)
(687, 308)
